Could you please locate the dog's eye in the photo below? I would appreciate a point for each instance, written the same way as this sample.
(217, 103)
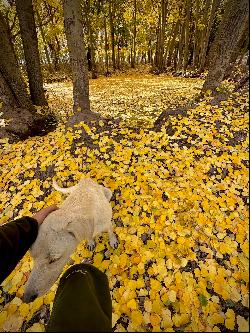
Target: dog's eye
(53, 259)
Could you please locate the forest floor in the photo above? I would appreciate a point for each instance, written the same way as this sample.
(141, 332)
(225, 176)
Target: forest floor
(180, 204)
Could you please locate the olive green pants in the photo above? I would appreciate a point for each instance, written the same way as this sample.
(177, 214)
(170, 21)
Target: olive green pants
(82, 302)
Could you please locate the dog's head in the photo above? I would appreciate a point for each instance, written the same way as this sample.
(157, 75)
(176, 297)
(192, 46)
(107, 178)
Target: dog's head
(47, 267)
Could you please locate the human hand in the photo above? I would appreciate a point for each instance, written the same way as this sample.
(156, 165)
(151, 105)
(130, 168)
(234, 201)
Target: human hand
(43, 213)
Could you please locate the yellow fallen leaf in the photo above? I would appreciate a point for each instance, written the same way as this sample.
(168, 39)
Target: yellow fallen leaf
(148, 305)
(243, 324)
(155, 319)
(132, 304)
(172, 295)
(49, 297)
(13, 323)
(137, 318)
(24, 309)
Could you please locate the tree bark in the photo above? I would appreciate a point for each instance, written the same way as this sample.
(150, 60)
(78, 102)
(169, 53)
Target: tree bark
(6, 95)
(43, 38)
(91, 41)
(30, 46)
(10, 70)
(186, 47)
(240, 50)
(196, 36)
(112, 31)
(134, 37)
(17, 108)
(161, 64)
(106, 46)
(172, 44)
(181, 45)
(215, 6)
(77, 52)
(230, 30)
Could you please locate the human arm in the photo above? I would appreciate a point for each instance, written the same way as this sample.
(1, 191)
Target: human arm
(16, 237)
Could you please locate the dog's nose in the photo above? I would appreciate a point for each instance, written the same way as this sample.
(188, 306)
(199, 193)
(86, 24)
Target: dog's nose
(27, 298)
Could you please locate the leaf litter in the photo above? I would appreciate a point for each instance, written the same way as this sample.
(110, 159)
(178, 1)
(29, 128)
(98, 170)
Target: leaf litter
(180, 204)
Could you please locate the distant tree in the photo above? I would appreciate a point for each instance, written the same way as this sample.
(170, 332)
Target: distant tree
(134, 36)
(30, 46)
(161, 29)
(230, 31)
(88, 12)
(112, 31)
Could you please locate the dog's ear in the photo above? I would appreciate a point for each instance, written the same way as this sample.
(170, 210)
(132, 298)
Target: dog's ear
(107, 192)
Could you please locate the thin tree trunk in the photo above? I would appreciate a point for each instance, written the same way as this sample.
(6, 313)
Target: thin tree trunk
(77, 52)
(204, 32)
(30, 46)
(57, 49)
(164, 4)
(170, 35)
(112, 32)
(181, 44)
(196, 35)
(106, 46)
(172, 44)
(150, 51)
(118, 53)
(91, 41)
(215, 6)
(230, 30)
(158, 29)
(186, 48)
(134, 36)
(43, 38)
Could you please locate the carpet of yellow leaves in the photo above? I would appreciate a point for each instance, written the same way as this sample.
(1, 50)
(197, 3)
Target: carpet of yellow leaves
(179, 209)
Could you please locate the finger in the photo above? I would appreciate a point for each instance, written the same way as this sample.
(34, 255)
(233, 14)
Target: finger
(51, 208)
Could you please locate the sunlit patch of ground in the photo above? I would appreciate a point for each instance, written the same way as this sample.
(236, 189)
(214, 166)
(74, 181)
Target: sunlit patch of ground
(138, 99)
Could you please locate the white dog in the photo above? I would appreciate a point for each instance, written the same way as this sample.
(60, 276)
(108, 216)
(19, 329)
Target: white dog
(85, 213)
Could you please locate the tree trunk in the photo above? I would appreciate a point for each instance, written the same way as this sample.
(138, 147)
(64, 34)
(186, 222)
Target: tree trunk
(172, 44)
(134, 37)
(106, 46)
(77, 52)
(181, 45)
(6, 95)
(161, 40)
(240, 49)
(230, 30)
(118, 53)
(186, 47)
(150, 51)
(17, 108)
(43, 38)
(196, 36)
(112, 31)
(10, 70)
(215, 6)
(30, 46)
(91, 40)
